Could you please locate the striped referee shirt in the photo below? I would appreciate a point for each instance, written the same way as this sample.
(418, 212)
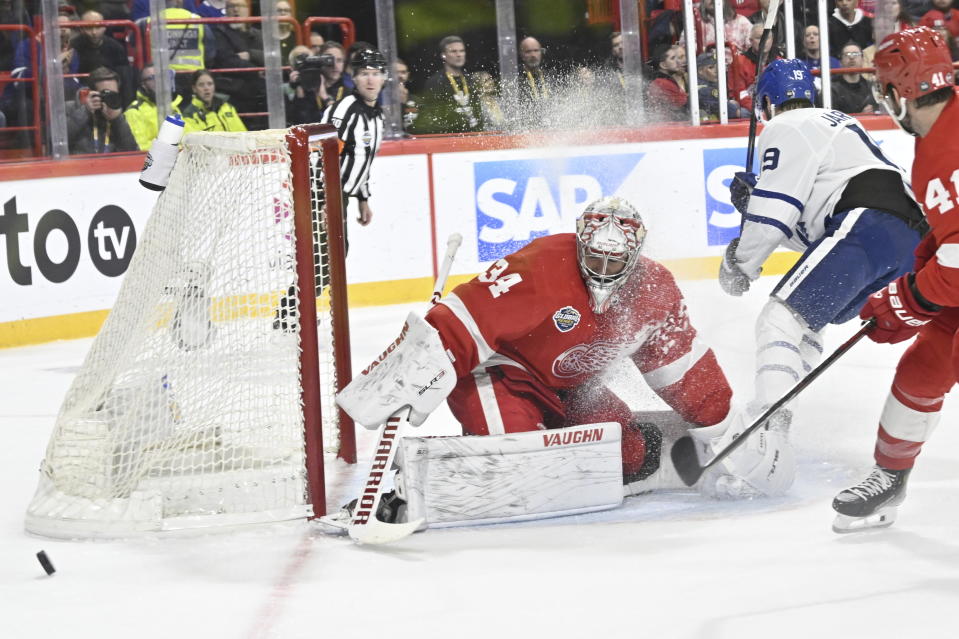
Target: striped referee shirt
(360, 129)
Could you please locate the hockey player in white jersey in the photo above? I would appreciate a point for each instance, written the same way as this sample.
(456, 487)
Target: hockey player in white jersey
(826, 189)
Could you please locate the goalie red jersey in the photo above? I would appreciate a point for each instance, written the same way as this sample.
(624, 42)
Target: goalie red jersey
(528, 349)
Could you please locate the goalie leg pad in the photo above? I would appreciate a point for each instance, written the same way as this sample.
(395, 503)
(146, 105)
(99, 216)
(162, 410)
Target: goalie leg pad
(413, 371)
(452, 481)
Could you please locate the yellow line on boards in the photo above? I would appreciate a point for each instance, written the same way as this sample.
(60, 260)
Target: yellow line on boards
(76, 325)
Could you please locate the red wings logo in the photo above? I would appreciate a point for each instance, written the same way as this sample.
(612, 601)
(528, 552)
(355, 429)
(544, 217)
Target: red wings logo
(589, 358)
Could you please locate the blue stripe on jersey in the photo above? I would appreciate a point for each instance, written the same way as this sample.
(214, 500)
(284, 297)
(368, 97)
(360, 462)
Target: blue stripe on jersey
(872, 146)
(775, 195)
(759, 219)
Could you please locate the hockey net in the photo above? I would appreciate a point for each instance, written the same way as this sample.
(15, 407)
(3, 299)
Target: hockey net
(207, 397)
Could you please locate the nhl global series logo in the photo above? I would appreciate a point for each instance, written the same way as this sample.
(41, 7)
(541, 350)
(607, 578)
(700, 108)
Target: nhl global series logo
(566, 319)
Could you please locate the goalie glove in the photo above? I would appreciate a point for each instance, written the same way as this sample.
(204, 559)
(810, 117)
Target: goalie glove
(731, 277)
(900, 311)
(413, 371)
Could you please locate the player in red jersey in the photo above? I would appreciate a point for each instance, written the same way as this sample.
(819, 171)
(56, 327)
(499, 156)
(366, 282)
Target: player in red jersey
(521, 354)
(915, 78)
(531, 337)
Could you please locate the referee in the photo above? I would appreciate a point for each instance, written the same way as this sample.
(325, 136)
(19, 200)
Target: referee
(359, 125)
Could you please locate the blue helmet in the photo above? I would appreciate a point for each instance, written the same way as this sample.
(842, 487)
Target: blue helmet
(782, 81)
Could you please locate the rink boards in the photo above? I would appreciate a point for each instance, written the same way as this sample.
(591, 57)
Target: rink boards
(71, 227)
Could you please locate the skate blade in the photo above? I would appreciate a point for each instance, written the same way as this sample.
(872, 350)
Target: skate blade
(882, 518)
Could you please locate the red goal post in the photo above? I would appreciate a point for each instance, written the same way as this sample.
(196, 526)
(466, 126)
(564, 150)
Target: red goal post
(302, 141)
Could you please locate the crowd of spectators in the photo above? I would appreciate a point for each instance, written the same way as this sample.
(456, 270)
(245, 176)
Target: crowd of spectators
(219, 83)
(457, 98)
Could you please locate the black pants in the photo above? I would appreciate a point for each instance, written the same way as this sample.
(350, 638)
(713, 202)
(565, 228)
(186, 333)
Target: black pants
(321, 267)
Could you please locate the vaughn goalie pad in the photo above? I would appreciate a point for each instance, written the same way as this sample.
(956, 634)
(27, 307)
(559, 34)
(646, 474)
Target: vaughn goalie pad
(413, 371)
(452, 481)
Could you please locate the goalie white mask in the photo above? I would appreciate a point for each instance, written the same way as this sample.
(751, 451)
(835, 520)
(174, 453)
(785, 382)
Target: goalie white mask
(609, 236)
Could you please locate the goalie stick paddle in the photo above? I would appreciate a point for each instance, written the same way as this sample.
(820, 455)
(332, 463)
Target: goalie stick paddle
(768, 26)
(683, 452)
(364, 526)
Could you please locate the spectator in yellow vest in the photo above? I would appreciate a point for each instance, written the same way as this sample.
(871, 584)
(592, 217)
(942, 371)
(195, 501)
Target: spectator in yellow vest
(141, 115)
(190, 46)
(207, 111)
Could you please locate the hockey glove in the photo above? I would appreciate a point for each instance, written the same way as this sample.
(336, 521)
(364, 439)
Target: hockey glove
(731, 277)
(925, 251)
(900, 311)
(741, 188)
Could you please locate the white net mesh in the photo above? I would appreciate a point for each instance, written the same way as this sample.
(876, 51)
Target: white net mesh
(187, 410)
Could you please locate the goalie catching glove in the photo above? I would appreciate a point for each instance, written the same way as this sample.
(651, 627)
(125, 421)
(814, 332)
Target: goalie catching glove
(763, 466)
(413, 371)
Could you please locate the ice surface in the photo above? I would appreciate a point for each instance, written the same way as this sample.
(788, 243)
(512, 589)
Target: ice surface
(664, 565)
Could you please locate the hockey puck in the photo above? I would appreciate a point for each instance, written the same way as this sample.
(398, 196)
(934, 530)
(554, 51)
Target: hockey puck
(45, 562)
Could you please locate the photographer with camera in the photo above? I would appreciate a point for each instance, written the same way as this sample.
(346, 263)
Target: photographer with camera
(316, 82)
(94, 121)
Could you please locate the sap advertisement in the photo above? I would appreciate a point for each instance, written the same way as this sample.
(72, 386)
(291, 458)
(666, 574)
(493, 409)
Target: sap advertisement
(519, 200)
(501, 200)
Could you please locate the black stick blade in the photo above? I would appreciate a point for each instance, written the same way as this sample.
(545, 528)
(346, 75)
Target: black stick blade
(686, 461)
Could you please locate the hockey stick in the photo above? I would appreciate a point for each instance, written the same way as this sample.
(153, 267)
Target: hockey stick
(768, 26)
(364, 526)
(683, 452)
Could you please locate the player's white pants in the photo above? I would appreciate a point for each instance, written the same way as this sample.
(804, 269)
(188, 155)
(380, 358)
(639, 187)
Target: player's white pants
(786, 350)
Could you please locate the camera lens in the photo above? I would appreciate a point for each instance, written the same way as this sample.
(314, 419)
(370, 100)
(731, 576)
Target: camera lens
(111, 99)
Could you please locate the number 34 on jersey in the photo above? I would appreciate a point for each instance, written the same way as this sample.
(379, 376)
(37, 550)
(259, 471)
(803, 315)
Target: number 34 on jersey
(499, 283)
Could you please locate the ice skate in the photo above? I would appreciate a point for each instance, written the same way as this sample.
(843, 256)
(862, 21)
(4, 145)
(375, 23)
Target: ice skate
(872, 503)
